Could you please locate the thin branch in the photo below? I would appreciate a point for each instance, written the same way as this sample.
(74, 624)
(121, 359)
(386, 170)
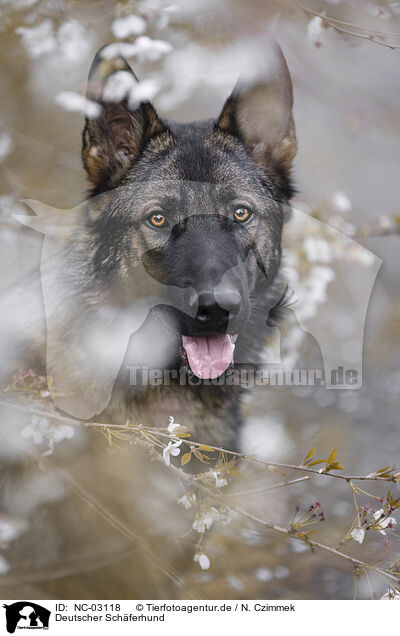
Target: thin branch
(136, 429)
(286, 531)
(377, 231)
(341, 29)
(350, 24)
(315, 544)
(268, 488)
(217, 496)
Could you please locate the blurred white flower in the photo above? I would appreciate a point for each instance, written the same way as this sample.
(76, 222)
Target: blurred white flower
(187, 501)
(391, 595)
(78, 103)
(128, 25)
(384, 221)
(315, 30)
(144, 48)
(40, 429)
(164, 15)
(6, 145)
(118, 86)
(205, 520)
(358, 534)
(143, 91)
(341, 202)
(389, 522)
(201, 524)
(38, 40)
(125, 49)
(264, 575)
(203, 560)
(172, 425)
(60, 432)
(73, 41)
(10, 528)
(281, 572)
(123, 85)
(318, 249)
(220, 482)
(4, 565)
(148, 49)
(171, 449)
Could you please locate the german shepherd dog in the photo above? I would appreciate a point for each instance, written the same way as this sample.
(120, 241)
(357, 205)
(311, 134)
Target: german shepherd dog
(189, 216)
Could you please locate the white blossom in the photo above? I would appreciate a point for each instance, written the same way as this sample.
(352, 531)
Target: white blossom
(144, 48)
(171, 449)
(203, 560)
(143, 91)
(148, 49)
(384, 222)
(118, 86)
(341, 202)
(10, 528)
(78, 103)
(358, 534)
(187, 501)
(315, 30)
(128, 25)
(73, 41)
(38, 40)
(385, 523)
(123, 85)
(4, 565)
(317, 248)
(41, 429)
(220, 482)
(391, 595)
(205, 520)
(264, 575)
(201, 524)
(172, 425)
(6, 145)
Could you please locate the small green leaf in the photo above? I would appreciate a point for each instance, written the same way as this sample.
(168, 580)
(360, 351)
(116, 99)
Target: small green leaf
(310, 454)
(332, 456)
(336, 466)
(315, 462)
(186, 458)
(203, 458)
(383, 470)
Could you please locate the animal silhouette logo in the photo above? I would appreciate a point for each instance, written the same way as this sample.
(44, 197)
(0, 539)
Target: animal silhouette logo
(26, 615)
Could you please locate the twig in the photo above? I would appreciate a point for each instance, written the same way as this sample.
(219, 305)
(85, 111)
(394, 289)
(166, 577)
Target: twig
(350, 24)
(366, 232)
(136, 429)
(98, 506)
(286, 531)
(341, 29)
(316, 544)
(267, 488)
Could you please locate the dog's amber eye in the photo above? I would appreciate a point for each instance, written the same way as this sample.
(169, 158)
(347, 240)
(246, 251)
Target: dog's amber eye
(242, 215)
(157, 219)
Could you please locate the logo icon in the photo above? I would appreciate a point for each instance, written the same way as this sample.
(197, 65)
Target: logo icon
(26, 615)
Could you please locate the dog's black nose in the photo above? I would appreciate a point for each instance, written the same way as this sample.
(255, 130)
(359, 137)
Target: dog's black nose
(216, 308)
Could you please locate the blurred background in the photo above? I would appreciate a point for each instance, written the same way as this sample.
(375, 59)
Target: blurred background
(344, 62)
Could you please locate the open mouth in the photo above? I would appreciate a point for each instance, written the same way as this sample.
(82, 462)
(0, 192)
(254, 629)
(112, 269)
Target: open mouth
(209, 356)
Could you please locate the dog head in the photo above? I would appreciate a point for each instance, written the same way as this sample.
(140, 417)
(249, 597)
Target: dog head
(200, 206)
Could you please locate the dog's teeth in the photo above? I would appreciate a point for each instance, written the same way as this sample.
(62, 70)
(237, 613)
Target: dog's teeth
(234, 338)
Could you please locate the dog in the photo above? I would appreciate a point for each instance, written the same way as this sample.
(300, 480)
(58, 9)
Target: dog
(174, 264)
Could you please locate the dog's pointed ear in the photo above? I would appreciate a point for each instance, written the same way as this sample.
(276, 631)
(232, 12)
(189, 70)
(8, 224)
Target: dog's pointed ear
(259, 113)
(113, 141)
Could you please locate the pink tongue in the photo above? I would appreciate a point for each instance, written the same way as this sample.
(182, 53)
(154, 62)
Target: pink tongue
(209, 356)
